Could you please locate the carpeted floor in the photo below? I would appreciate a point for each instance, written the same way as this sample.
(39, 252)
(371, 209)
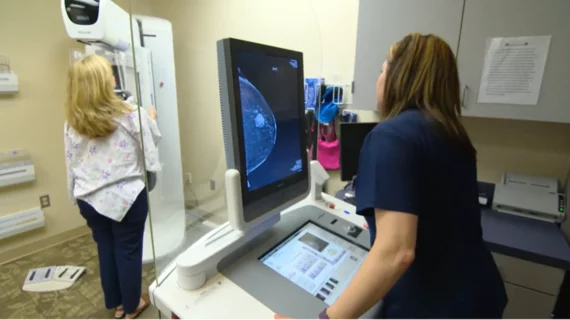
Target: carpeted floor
(82, 300)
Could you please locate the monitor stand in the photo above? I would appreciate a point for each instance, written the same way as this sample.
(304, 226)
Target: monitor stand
(235, 252)
(349, 193)
(200, 261)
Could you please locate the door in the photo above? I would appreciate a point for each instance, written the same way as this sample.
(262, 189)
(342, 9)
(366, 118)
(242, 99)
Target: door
(527, 304)
(484, 19)
(383, 22)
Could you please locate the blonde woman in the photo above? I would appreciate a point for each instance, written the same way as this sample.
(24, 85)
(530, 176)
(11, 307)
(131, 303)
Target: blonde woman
(105, 177)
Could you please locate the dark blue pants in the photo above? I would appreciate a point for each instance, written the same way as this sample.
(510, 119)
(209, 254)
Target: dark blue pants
(120, 247)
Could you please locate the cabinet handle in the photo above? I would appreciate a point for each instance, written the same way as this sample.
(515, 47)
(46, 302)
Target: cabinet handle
(465, 88)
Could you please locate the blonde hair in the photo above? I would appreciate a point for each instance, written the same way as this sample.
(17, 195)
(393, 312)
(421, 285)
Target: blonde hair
(422, 72)
(92, 104)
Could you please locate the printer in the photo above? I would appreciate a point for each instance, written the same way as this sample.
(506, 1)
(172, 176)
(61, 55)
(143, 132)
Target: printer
(530, 196)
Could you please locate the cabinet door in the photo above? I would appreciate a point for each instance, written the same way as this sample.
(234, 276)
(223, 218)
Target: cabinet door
(484, 19)
(530, 275)
(527, 304)
(383, 22)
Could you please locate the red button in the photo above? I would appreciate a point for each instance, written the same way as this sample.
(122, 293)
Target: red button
(331, 205)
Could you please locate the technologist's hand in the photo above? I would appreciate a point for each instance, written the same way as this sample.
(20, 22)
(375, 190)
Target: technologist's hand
(365, 225)
(152, 112)
(276, 316)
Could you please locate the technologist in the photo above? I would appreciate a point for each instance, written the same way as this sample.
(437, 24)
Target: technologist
(105, 177)
(417, 188)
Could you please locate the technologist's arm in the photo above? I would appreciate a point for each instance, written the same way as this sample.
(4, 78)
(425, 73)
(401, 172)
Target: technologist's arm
(391, 181)
(391, 254)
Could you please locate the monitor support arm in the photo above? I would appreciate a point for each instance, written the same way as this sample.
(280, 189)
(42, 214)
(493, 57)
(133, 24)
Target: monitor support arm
(200, 261)
(319, 177)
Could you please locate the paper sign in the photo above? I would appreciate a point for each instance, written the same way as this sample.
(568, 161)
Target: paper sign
(513, 70)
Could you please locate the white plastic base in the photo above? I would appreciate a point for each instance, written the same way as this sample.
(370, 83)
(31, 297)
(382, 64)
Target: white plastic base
(191, 282)
(200, 261)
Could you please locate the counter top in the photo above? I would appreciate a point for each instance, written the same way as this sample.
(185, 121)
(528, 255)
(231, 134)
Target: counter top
(533, 240)
(524, 238)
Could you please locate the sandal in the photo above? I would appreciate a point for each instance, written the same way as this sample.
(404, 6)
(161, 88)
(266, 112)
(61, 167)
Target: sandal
(119, 312)
(146, 302)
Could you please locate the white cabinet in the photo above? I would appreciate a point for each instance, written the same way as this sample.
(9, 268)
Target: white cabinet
(484, 19)
(467, 25)
(527, 304)
(531, 287)
(529, 274)
(383, 22)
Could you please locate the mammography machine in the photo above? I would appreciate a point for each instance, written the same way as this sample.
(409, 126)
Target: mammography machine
(287, 247)
(146, 57)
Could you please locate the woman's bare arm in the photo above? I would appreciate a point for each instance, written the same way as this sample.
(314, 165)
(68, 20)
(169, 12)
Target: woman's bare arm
(391, 254)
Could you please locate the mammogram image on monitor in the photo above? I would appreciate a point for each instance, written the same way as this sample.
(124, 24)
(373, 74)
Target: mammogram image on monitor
(260, 127)
(270, 104)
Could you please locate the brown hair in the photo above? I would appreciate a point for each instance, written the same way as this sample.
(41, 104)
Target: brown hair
(92, 104)
(422, 72)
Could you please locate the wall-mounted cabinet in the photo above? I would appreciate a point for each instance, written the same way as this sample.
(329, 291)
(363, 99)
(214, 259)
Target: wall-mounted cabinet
(467, 26)
(484, 19)
(383, 22)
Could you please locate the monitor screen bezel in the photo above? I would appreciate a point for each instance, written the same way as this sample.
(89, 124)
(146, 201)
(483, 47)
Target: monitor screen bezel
(235, 47)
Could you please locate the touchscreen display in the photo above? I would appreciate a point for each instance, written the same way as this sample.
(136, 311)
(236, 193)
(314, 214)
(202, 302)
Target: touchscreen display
(316, 260)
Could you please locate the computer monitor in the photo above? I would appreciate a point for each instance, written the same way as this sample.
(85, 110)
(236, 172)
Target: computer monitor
(262, 98)
(352, 137)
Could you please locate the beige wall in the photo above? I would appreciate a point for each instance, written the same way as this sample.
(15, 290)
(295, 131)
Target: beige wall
(325, 31)
(509, 145)
(540, 148)
(34, 38)
(520, 146)
(313, 27)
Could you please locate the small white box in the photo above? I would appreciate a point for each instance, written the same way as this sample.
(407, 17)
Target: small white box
(9, 83)
(16, 167)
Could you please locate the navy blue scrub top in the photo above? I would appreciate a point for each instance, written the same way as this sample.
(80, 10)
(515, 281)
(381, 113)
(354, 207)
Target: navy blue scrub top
(406, 165)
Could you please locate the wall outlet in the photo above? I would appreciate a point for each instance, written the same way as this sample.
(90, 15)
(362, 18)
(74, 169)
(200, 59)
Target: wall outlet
(188, 178)
(212, 184)
(44, 201)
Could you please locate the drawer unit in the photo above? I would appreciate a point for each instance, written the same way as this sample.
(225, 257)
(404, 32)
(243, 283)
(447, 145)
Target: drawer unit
(528, 304)
(530, 275)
